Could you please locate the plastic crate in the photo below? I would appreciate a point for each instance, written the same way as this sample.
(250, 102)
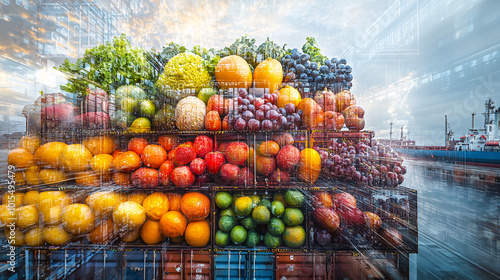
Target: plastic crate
(244, 265)
(186, 265)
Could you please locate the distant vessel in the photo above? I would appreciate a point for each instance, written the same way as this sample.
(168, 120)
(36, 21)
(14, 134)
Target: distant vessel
(478, 147)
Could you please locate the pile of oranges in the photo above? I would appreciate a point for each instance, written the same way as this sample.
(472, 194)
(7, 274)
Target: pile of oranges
(57, 217)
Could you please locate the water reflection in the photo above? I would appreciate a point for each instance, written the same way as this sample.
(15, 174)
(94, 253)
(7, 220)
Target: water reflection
(458, 222)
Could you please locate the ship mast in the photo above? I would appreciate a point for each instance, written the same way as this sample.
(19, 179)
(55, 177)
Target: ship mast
(473, 114)
(489, 109)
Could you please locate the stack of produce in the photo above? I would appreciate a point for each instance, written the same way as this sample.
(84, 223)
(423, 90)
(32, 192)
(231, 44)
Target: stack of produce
(58, 217)
(249, 219)
(337, 219)
(363, 161)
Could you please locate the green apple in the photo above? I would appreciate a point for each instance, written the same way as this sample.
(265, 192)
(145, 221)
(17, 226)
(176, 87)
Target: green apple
(206, 93)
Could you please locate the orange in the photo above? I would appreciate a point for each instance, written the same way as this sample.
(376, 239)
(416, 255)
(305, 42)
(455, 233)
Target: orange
(168, 142)
(75, 157)
(100, 144)
(31, 197)
(55, 235)
(150, 232)
(34, 237)
(52, 176)
(312, 115)
(195, 206)
(19, 178)
(103, 232)
(27, 216)
(287, 95)
(322, 199)
(52, 215)
(268, 74)
(233, 72)
(131, 236)
(31, 175)
(20, 158)
(197, 233)
(153, 156)
(5, 215)
(129, 216)
(309, 165)
(87, 178)
(48, 154)
(49, 199)
(137, 145)
(122, 178)
(174, 201)
(173, 224)
(104, 202)
(101, 163)
(269, 148)
(138, 197)
(30, 143)
(127, 161)
(15, 198)
(78, 218)
(343, 100)
(156, 204)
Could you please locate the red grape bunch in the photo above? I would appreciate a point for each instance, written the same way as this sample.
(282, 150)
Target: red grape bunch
(256, 113)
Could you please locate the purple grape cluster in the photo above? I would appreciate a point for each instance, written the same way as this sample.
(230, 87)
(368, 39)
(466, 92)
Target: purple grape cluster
(293, 118)
(334, 74)
(256, 113)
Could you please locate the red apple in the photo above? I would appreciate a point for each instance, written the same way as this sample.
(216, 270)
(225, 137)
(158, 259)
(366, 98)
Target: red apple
(354, 111)
(182, 176)
(237, 153)
(216, 103)
(345, 200)
(352, 216)
(223, 147)
(326, 218)
(322, 199)
(203, 145)
(265, 165)
(355, 124)
(246, 176)
(280, 176)
(392, 237)
(145, 177)
(165, 170)
(229, 172)
(214, 161)
(184, 154)
(198, 166)
(288, 157)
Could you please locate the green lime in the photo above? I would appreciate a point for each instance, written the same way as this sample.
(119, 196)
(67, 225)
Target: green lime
(261, 215)
(255, 200)
(226, 223)
(280, 197)
(253, 239)
(243, 206)
(147, 109)
(293, 217)
(272, 241)
(294, 237)
(227, 212)
(294, 198)
(277, 208)
(266, 202)
(205, 94)
(140, 125)
(249, 223)
(221, 238)
(223, 200)
(276, 226)
(238, 234)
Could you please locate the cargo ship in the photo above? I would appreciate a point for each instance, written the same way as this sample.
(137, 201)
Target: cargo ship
(480, 146)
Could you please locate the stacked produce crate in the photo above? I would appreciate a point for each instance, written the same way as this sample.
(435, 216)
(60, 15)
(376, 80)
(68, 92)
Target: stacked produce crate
(254, 177)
